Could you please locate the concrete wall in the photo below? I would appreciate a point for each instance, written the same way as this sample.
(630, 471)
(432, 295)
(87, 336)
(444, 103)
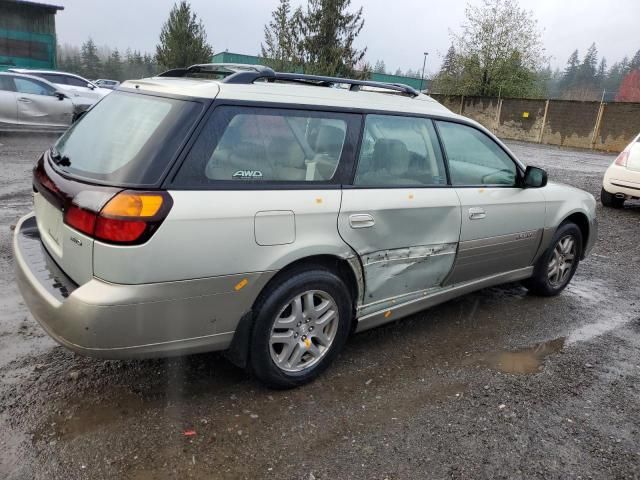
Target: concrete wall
(521, 119)
(620, 123)
(607, 126)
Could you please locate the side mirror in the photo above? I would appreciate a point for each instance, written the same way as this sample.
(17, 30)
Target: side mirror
(91, 86)
(534, 177)
(60, 95)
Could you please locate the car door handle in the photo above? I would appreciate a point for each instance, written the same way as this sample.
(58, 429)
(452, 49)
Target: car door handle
(361, 220)
(477, 213)
(24, 100)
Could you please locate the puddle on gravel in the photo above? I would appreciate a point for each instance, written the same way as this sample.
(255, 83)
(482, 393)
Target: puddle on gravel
(519, 362)
(88, 418)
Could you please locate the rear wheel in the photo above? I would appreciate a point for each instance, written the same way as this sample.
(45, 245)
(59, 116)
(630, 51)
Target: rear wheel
(300, 327)
(557, 265)
(610, 200)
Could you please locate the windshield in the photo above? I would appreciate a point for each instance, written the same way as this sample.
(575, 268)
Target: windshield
(126, 138)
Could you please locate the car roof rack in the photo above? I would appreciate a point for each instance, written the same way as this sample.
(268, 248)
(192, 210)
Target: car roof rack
(236, 73)
(354, 85)
(230, 72)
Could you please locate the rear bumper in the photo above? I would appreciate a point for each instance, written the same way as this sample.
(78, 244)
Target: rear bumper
(129, 321)
(620, 180)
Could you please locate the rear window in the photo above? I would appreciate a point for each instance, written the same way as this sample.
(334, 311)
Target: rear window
(52, 77)
(126, 139)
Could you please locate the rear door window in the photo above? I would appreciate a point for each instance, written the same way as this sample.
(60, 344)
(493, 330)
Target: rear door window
(258, 145)
(6, 83)
(32, 87)
(126, 138)
(400, 151)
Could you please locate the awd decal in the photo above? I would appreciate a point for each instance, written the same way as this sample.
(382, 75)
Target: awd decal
(248, 174)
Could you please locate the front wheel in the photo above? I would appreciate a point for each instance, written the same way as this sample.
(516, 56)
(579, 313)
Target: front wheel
(557, 265)
(300, 327)
(610, 200)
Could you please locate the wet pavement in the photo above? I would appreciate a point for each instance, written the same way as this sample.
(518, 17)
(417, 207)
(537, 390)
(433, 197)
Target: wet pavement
(495, 384)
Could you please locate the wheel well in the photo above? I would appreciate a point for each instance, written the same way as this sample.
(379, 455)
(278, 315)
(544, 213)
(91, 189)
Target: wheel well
(581, 220)
(238, 352)
(337, 265)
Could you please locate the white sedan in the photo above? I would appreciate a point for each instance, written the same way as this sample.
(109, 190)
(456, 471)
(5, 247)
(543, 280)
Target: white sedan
(622, 179)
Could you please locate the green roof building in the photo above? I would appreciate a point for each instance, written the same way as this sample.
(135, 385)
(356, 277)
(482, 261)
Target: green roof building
(27, 34)
(228, 57)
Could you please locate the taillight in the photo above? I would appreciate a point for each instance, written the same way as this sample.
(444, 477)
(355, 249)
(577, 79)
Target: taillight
(128, 218)
(622, 158)
(81, 219)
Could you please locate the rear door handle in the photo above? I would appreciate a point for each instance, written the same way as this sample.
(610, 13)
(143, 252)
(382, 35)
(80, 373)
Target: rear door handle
(361, 220)
(476, 213)
(24, 100)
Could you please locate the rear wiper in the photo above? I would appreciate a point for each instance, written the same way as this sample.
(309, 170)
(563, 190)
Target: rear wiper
(58, 159)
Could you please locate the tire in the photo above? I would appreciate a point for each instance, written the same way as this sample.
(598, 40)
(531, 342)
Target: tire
(315, 335)
(545, 281)
(610, 200)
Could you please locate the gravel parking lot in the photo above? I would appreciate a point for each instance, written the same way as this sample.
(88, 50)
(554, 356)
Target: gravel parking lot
(496, 384)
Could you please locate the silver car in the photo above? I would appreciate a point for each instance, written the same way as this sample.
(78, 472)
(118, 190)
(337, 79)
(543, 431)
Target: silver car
(27, 102)
(271, 216)
(83, 92)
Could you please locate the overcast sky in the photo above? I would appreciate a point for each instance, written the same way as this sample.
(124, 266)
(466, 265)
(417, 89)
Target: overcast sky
(396, 31)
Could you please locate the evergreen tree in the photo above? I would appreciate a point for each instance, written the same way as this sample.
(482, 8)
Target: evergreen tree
(280, 49)
(91, 66)
(380, 67)
(448, 78)
(635, 62)
(570, 75)
(113, 66)
(329, 31)
(449, 64)
(183, 40)
(601, 73)
(588, 68)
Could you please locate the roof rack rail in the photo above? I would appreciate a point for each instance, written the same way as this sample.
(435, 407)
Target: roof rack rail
(231, 72)
(237, 73)
(354, 84)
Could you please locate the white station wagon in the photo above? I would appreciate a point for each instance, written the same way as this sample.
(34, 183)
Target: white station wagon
(271, 215)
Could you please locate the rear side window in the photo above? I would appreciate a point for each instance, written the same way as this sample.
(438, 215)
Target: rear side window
(76, 82)
(400, 151)
(53, 78)
(474, 158)
(253, 145)
(126, 138)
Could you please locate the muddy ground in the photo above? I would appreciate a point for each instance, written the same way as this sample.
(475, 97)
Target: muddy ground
(496, 384)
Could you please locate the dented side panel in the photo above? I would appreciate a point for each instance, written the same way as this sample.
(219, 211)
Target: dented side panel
(409, 244)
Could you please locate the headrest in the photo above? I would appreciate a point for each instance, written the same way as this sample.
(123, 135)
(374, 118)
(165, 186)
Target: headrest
(392, 155)
(329, 140)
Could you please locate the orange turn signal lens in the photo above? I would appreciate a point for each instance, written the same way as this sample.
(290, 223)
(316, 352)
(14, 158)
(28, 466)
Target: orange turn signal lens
(128, 204)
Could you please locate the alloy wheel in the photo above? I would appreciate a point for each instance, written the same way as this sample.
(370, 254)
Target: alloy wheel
(562, 261)
(303, 331)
